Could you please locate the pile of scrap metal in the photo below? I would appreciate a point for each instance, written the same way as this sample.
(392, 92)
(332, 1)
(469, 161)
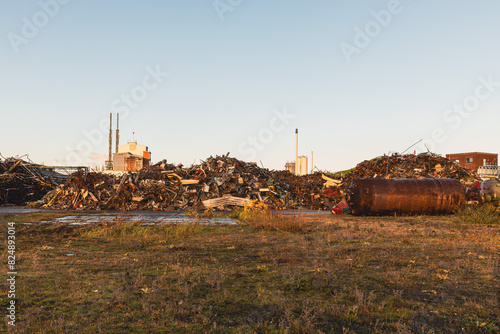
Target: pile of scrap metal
(425, 166)
(410, 166)
(22, 182)
(312, 191)
(221, 182)
(215, 183)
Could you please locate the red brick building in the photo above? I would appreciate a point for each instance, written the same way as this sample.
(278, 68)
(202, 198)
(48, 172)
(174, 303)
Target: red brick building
(473, 160)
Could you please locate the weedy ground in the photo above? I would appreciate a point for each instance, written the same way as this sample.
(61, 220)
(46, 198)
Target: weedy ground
(273, 273)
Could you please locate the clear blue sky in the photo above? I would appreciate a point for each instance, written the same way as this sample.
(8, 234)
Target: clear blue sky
(360, 78)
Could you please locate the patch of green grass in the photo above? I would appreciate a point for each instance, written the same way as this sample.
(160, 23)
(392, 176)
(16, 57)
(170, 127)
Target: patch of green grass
(486, 214)
(137, 229)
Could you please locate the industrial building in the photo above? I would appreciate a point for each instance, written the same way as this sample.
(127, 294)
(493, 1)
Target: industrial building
(474, 160)
(131, 157)
(127, 158)
(300, 165)
(290, 167)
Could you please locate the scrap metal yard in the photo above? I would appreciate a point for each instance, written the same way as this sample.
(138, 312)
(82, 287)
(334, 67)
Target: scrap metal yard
(250, 167)
(167, 186)
(227, 246)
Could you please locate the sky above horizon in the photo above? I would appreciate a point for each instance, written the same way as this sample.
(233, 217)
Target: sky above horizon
(204, 78)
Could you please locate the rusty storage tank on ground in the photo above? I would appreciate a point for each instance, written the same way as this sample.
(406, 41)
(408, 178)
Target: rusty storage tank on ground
(405, 196)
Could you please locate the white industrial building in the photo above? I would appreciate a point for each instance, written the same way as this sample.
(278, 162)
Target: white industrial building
(300, 166)
(131, 157)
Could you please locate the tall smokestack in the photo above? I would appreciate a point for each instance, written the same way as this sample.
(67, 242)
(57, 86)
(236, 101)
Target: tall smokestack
(110, 139)
(312, 163)
(117, 131)
(296, 151)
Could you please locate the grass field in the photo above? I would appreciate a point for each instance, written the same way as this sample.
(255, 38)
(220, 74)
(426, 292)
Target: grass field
(270, 274)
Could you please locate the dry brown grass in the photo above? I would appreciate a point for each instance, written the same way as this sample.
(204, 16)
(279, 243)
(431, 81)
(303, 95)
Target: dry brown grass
(260, 217)
(340, 274)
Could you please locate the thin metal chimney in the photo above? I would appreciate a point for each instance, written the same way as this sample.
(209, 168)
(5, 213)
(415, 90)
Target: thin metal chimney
(296, 151)
(110, 140)
(117, 131)
(312, 163)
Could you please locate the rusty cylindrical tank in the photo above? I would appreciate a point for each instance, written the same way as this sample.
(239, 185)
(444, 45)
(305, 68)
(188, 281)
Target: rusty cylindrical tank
(405, 196)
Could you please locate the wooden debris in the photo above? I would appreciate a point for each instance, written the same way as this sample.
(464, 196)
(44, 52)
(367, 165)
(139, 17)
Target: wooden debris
(21, 182)
(222, 181)
(225, 200)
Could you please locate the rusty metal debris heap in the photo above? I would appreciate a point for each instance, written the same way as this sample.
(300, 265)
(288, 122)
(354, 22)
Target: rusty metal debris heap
(222, 181)
(410, 166)
(215, 182)
(409, 184)
(22, 182)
